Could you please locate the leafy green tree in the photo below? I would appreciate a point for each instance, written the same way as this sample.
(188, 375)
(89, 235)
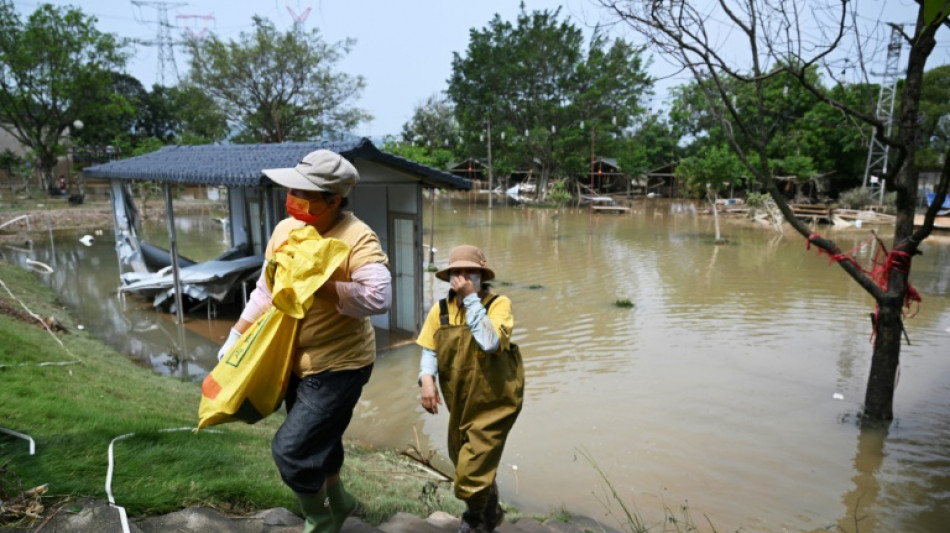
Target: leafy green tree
(149, 144)
(433, 124)
(795, 122)
(717, 167)
(419, 152)
(52, 67)
(113, 119)
(182, 115)
(543, 95)
(777, 34)
(651, 145)
(431, 136)
(711, 171)
(934, 117)
(9, 159)
(278, 86)
(200, 119)
(158, 117)
(836, 141)
(559, 195)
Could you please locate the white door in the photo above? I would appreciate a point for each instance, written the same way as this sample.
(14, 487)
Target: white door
(404, 273)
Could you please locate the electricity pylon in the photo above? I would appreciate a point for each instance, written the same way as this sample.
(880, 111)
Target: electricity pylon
(877, 151)
(163, 40)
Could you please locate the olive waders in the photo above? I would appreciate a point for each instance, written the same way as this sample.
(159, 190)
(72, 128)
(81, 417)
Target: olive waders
(325, 511)
(483, 393)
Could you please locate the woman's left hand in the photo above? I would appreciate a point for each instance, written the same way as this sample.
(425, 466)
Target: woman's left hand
(462, 285)
(430, 394)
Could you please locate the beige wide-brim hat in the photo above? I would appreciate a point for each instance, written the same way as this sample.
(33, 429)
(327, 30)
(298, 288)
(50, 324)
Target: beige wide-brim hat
(466, 256)
(321, 170)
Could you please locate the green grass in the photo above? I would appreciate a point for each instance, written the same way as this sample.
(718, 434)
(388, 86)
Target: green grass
(623, 303)
(74, 411)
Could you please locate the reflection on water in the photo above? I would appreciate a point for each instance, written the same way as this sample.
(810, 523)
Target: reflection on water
(715, 389)
(87, 280)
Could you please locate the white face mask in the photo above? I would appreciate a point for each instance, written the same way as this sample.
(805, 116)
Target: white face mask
(476, 280)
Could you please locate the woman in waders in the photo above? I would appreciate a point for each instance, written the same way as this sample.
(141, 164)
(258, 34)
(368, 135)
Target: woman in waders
(466, 343)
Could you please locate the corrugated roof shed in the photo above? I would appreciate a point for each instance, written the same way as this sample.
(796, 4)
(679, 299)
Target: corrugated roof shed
(240, 165)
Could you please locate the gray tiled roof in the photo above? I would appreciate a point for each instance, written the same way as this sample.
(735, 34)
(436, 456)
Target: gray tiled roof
(240, 165)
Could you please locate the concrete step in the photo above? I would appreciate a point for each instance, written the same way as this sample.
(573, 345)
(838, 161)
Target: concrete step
(88, 515)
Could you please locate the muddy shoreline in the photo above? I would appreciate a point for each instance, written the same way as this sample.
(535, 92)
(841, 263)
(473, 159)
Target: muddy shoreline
(56, 216)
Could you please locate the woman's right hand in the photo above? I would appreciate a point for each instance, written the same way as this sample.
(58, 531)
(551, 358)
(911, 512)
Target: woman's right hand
(233, 337)
(430, 394)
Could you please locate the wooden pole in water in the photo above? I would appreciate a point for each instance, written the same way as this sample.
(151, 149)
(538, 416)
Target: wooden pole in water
(489, 165)
(432, 228)
(173, 249)
(592, 160)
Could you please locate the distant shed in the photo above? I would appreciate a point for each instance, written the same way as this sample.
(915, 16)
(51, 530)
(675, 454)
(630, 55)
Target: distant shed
(388, 198)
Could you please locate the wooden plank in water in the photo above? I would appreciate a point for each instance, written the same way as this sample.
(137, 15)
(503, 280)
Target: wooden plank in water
(610, 208)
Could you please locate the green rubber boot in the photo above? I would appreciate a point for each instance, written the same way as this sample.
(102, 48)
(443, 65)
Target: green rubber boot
(342, 504)
(318, 516)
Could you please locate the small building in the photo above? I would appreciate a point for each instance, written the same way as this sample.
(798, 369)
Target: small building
(388, 198)
(661, 182)
(471, 169)
(605, 177)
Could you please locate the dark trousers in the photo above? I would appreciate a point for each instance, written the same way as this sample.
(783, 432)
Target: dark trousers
(308, 447)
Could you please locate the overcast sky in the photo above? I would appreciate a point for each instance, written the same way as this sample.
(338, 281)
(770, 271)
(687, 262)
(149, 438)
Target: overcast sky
(403, 47)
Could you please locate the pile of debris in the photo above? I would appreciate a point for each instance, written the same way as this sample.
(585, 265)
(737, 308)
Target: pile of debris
(15, 503)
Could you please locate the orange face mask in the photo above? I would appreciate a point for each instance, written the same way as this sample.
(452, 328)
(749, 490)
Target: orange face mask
(300, 209)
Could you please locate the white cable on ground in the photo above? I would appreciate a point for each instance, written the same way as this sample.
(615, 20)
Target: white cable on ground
(123, 518)
(21, 217)
(22, 436)
(122, 515)
(48, 363)
(42, 268)
(45, 325)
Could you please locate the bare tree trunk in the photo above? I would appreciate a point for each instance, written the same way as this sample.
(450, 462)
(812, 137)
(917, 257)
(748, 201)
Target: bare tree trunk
(882, 381)
(775, 37)
(541, 192)
(712, 204)
(45, 175)
(889, 326)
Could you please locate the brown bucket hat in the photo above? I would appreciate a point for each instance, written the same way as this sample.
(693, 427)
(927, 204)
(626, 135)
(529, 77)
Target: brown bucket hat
(466, 256)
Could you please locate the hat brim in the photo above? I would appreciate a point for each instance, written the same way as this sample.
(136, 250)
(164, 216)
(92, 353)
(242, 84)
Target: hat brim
(487, 274)
(290, 178)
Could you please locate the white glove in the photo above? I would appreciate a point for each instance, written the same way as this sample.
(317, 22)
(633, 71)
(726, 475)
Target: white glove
(232, 338)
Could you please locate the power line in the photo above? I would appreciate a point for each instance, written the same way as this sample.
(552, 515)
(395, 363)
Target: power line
(192, 34)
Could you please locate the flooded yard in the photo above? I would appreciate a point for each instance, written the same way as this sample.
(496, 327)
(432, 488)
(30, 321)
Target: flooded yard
(731, 386)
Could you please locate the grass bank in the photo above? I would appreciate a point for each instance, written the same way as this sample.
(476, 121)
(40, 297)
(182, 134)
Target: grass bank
(74, 410)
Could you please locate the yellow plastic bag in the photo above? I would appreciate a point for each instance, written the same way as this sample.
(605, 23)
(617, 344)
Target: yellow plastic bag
(249, 382)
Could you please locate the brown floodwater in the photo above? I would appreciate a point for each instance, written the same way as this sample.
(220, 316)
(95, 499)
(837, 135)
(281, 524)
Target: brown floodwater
(731, 386)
